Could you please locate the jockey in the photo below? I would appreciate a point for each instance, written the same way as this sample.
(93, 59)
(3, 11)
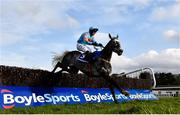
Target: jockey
(87, 39)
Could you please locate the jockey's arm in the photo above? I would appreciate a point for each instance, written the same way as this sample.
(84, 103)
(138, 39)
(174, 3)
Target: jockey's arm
(96, 43)
(88, 41)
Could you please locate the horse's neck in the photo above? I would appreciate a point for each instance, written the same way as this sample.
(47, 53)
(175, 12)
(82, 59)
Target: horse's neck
(107, 52)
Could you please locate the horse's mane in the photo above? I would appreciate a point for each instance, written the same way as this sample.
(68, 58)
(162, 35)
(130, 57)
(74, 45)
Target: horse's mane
(58, 57)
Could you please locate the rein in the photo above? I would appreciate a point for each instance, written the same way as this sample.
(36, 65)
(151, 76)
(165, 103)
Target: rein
(105, 60)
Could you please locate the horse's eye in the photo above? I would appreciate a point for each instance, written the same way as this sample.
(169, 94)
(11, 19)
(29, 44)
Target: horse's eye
(117, 44)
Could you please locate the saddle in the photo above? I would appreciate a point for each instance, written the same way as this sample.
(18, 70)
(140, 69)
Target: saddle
(88, 57)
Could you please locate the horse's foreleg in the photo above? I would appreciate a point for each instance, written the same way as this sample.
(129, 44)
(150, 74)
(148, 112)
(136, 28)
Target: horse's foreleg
(107, 78)
(113, 93)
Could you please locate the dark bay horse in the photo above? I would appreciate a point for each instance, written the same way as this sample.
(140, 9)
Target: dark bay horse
(100, 67)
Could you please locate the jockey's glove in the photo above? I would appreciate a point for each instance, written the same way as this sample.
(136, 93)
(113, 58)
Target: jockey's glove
(95, 44)
(100, 45)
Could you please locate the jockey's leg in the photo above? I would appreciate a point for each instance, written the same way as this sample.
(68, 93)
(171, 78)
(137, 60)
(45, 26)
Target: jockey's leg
(88, 49)
(83, 48)
(88, 54)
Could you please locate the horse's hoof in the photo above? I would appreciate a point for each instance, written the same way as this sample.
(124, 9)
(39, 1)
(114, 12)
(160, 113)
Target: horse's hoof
(125, 93)
(116, 102)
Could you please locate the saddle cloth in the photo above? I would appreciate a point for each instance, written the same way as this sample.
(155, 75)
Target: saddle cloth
(94, 56)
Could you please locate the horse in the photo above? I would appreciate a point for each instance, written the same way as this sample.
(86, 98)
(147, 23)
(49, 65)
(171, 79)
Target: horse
(99, 67)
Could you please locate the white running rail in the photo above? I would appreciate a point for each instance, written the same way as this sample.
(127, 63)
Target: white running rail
(136, 73)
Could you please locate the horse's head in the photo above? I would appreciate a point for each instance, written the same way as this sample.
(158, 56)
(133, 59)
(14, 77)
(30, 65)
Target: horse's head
(115, 45)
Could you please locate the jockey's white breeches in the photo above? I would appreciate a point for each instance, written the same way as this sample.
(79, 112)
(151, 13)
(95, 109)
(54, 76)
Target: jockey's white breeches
(83, 48)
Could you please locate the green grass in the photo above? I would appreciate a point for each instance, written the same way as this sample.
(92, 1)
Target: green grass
(162, 106)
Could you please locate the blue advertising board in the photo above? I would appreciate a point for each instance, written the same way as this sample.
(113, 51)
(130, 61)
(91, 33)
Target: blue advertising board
(11, 96)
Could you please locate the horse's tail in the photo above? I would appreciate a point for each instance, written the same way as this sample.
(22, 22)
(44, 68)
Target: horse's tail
(58, 57)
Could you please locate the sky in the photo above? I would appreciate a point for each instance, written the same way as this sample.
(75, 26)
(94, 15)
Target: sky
(32, 31)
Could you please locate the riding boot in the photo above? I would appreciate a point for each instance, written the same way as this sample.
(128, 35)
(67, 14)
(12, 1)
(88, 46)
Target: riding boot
(88, 56)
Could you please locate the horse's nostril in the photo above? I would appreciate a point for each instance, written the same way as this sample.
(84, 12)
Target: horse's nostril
(121, 50)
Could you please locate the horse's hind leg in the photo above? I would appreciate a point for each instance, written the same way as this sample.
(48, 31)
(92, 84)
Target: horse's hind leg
(57, 65)
(73, 70)
(63, 68)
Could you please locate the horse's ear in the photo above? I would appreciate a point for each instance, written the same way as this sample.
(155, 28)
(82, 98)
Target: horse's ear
(117, 36)
(110, 36)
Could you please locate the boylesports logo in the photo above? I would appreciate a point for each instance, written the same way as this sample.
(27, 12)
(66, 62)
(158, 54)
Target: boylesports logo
(10, 99)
